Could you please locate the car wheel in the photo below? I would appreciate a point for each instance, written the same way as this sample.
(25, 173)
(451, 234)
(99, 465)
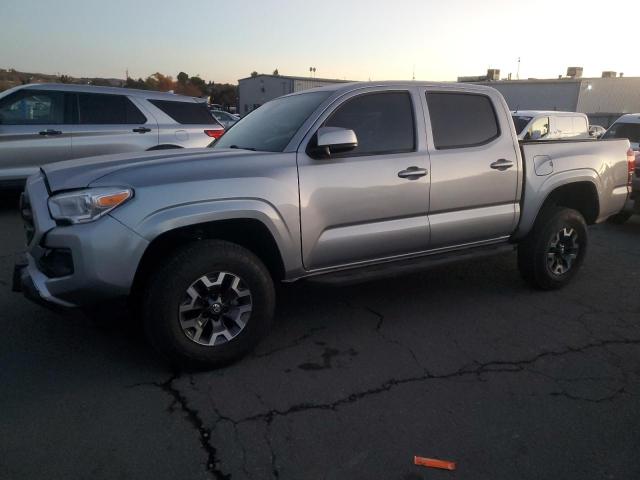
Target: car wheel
(209, 304)
(554, 250)
(619, 218)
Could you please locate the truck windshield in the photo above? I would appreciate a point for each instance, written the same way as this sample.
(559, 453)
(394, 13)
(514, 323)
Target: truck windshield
(624, 130)
(520, 122)
(270, 127)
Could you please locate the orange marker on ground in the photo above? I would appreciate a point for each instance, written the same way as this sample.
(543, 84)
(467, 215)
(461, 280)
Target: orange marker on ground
(434, 463)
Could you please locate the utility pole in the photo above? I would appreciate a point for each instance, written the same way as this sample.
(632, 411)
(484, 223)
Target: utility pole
(414, 73)
(518, 72)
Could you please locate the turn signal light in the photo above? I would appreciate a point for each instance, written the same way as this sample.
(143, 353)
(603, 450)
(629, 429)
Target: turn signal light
(113, 199)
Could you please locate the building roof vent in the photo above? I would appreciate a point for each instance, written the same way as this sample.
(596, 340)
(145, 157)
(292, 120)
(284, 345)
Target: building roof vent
(574, 72)
(609, 74)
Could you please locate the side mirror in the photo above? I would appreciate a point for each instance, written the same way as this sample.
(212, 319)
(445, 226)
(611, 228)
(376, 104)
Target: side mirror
(335, 140)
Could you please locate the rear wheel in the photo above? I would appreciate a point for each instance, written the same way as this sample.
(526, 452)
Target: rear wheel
(554, 250)
(209, 304)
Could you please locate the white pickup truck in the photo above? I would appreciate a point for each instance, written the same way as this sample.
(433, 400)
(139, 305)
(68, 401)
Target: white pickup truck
(335, 179)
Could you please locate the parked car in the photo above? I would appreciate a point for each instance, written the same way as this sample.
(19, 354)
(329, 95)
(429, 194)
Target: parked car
(550, 125)
(44, 123)
(628, 126)
(339, 180)
(596, 131)
(226, 119)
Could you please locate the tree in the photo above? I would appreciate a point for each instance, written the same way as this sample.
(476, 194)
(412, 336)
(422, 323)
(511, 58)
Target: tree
(275, 72)
(224, 94)
(64, 79)
(183, 78)
(160, 82)
(139, 84)
(254, 74)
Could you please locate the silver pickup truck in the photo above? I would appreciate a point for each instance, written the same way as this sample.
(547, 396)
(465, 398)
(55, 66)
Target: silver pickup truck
(351, 177)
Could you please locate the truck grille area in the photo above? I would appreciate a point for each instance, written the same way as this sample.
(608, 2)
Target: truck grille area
(27, 217)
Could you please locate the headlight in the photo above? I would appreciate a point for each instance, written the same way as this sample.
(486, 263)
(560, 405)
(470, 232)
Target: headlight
(82, 206)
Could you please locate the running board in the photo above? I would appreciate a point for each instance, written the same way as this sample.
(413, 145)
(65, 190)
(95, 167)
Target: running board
(406, 266)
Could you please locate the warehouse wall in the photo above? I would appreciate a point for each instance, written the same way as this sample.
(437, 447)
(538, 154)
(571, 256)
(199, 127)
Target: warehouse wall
(539, 95)
(609, 96)
(256, 91)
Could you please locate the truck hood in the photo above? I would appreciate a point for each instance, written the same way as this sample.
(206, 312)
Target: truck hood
(79, 173)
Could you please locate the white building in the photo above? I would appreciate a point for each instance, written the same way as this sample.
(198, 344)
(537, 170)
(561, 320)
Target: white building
(254, 91)
(602, 99)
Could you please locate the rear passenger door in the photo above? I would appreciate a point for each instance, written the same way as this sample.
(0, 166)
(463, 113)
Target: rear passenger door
(108, 123)
(34, 129)
(474, 168)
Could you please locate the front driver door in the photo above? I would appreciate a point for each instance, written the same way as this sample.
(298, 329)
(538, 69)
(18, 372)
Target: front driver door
(33, 130)
(362, 205)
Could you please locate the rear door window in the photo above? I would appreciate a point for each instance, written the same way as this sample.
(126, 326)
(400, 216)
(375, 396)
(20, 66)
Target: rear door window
(33, 107)
(383, 123)
(630, 131)
(460, 120)
(186, 113)
(105, 109)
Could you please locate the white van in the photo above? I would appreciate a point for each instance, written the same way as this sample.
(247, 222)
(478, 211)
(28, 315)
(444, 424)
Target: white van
(627, 126)
(550, 125)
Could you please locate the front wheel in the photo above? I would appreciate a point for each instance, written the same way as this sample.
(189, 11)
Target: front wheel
(554, 250)
(209, 304)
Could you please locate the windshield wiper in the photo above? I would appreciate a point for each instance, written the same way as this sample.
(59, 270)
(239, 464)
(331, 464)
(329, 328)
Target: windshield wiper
(243, 148)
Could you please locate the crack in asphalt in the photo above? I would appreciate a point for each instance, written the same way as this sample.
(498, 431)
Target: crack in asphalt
(179, 401)
(495, 366)
(379, 331)
(606, 398)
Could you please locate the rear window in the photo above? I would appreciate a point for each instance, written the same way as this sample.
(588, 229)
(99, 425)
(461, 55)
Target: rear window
(461, 120)
(630, 131)
(186, 113)
(104, 109)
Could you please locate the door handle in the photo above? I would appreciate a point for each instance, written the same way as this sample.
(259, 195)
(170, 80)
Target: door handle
(141, 130)
(502, 164)
(50, 131)
(412, 173)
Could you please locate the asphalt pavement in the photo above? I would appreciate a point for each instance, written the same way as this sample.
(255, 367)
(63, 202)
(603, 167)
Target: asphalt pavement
(463, 363)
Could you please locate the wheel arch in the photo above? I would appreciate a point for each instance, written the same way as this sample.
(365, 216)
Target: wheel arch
(579, 193)
(249, 233)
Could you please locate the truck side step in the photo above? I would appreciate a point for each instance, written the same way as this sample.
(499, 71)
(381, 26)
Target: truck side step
(403, 267)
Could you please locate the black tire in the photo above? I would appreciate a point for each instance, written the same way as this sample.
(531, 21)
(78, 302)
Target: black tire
(533, 252)
(619, 218)
(167, 289)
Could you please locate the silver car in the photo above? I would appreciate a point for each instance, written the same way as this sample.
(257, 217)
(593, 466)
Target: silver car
(44, 123)
(226, 119)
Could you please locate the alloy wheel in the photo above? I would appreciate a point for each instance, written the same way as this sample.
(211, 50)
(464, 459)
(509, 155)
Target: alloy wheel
(215, 309)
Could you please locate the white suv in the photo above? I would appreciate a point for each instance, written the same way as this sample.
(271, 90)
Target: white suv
(44, 123)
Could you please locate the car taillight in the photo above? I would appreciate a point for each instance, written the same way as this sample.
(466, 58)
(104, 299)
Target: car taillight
(217, 133)
(631, 164)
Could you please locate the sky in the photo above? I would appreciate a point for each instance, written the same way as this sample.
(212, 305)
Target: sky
(223, 41)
